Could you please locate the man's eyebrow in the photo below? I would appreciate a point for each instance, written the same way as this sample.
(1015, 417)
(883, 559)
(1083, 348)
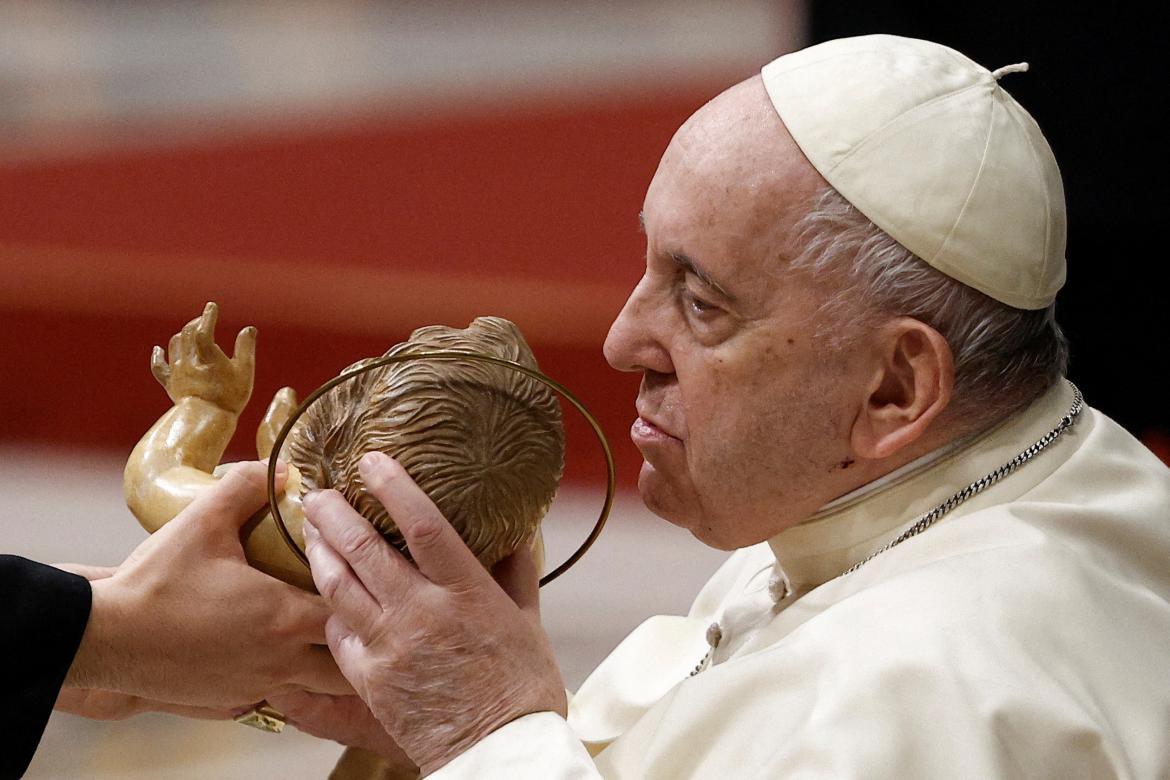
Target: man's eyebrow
(690, 266)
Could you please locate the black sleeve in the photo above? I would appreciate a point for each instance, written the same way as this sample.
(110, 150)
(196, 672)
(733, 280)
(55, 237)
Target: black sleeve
(43, 612)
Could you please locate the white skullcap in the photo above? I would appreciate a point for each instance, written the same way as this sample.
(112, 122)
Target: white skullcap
(927, 145)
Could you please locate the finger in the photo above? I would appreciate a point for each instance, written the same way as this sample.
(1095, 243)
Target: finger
(205, 329)
(98, 704)
(286, 397)
(349, 651)
(159, 367)
(204, 333)
(302, 705)
(313, 713)
(436, 548)
(344, 719)
(303, 615)
(518, 576)
(318, 671)
(381, 570)
(189, 711)
(337, 584)
(231, 502)
(274, 419)
(175, 348)
(109, 705)
(245, 350)
(188, 346)
(310, 712)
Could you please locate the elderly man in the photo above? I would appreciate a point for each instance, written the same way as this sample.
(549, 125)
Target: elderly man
(947, 565)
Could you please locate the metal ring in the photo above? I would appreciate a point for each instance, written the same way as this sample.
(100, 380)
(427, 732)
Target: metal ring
(264, 717)
(447, 356)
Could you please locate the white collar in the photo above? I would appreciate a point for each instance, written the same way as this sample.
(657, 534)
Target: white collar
(850, 528)
(898, 474)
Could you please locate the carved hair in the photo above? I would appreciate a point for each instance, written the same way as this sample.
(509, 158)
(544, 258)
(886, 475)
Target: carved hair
(484, 442)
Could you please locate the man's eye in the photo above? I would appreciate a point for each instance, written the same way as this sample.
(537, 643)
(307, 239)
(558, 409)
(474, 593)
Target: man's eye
(697, 305)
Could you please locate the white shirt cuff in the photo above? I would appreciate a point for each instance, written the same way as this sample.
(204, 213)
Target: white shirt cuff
(540, 746)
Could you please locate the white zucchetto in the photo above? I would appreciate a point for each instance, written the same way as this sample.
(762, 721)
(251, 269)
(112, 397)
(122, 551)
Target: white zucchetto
(928, 145)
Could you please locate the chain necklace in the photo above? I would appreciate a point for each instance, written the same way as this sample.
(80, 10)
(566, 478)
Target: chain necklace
(715, 632)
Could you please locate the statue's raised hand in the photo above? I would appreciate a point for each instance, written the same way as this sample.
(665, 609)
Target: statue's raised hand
(195, 367)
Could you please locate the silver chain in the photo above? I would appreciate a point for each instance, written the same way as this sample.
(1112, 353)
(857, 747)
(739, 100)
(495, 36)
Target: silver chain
(979, 485)
(972, 490)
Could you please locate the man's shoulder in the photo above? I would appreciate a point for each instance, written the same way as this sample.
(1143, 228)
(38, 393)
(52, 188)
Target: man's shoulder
(1020, 625)
(1000, 655)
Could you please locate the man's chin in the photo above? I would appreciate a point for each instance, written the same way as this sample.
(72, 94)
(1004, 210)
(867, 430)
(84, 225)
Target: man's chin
(660, 498)
(665, 501)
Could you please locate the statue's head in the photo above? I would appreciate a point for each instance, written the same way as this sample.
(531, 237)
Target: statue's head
(485, 442)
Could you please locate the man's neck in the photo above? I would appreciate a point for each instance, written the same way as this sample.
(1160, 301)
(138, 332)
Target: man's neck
(920, 462)
(871, 475)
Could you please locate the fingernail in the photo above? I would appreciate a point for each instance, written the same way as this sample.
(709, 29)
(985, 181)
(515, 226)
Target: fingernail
(310, 532)
(370, 460)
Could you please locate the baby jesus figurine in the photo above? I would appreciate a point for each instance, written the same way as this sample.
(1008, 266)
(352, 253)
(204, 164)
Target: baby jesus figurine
(484, 441)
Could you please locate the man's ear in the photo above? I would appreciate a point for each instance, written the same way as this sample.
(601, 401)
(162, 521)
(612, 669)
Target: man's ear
(911, 386)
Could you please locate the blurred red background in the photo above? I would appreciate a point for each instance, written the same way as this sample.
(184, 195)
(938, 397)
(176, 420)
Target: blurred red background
(339, 174)
(496, 179)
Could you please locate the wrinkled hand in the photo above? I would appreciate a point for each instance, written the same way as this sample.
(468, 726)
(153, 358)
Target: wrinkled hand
(198, 368)
(343, 719)
(186, 620)
(443, 654)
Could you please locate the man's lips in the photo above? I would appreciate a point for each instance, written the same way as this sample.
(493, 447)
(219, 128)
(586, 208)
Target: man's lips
(644, 431)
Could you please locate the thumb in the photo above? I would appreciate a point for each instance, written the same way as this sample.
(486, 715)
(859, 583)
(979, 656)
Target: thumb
(518, 576)
(226, 506)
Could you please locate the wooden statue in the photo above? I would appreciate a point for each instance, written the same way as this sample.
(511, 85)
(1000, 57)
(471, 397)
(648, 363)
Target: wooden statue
(485, 442)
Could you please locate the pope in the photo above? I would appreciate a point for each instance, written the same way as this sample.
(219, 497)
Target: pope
(947, 564)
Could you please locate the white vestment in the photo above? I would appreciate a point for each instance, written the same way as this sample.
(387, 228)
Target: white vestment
(1026, 634)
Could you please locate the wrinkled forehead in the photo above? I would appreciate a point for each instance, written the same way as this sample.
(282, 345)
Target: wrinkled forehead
(733, 184)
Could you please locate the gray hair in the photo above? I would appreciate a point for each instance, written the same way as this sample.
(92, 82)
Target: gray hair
(1004, 357)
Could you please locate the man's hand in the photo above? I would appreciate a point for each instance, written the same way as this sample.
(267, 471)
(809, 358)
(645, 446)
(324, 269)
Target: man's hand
(187, 621)
(109, 705)
(198, 368)
(443, 654)
(343, 719)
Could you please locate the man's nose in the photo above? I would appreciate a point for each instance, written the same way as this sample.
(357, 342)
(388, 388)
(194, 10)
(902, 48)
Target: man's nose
(633, 342)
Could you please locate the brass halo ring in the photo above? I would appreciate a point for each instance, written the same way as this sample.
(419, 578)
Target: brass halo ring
(451, 355)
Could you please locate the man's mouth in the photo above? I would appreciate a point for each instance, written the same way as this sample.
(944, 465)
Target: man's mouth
(645, 431)
(648, 422)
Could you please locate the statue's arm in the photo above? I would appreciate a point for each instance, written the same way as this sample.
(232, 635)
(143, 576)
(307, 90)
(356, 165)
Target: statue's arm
(174, 461)
(284, 403)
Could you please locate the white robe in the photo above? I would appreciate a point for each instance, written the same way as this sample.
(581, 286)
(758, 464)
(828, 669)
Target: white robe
(1026, 634)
